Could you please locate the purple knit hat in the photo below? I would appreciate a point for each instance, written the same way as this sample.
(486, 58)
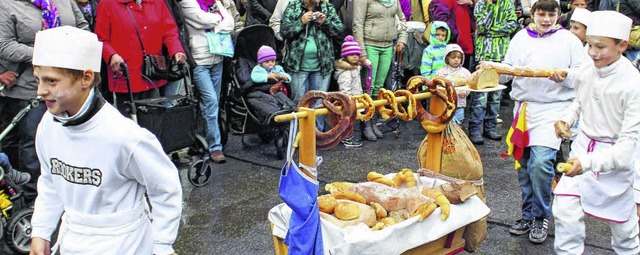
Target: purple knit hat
(350, 47)
(266, 53)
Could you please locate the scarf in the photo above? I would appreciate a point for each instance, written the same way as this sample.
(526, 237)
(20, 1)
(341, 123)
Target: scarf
(387, 3)
(50, 18)
(518, 136)
(531, 30)
(205, 5)
(84, 112)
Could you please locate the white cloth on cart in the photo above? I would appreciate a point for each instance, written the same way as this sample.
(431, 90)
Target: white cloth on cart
(396, 239)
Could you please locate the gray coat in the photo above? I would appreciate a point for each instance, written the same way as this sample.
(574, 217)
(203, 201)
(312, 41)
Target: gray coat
(20, 21)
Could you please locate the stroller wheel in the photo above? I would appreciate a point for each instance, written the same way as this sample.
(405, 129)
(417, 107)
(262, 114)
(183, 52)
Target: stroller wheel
(18, 236)
(266, 137)
(200, 172)
(280, 142)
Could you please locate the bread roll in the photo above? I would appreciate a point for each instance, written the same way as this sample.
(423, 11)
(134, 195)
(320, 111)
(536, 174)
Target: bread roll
(327, 203)
(367, 216)
(346, 211)
(380, 211)
(379, 178)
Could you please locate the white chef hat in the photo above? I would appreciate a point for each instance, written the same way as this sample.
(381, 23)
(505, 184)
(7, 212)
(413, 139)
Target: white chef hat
(581, 15)
(610, 24)
(67, 47)
(534, 1)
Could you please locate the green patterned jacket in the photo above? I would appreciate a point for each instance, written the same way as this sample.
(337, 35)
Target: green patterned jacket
(495, 24)
(293, 31)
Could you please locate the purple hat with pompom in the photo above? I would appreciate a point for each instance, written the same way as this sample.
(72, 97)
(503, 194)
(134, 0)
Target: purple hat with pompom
(266, 53)
(350, 47)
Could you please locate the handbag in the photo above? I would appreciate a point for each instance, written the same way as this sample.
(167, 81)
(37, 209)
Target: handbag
(220, 43)
(157, 67)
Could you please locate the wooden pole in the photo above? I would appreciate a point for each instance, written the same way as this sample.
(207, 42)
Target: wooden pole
(307, 152)
(434, 140)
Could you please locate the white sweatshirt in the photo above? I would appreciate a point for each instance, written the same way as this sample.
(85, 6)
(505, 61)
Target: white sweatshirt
(545, 98)
(102, 167)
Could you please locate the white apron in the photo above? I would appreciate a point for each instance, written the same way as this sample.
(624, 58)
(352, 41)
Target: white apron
(604, 195)
(127, 232)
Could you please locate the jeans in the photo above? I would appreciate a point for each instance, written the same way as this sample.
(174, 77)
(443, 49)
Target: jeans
(208, 82)
(172, 88)
(19, 144)
(485, 107)
(458, 116)
(303, 81)
(381, 62)
(535, 177)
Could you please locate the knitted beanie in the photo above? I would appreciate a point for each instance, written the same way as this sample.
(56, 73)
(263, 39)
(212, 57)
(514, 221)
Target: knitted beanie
(350, 47)
(266, 53)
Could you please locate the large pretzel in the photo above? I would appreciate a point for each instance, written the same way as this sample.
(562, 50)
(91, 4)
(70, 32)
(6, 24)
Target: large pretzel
(341, 120)
(431, 123)
(370, 109)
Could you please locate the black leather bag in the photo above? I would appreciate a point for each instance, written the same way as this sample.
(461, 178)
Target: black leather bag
(158, 67)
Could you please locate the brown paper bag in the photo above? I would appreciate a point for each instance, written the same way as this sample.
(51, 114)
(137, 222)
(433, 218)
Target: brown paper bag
(460, 159)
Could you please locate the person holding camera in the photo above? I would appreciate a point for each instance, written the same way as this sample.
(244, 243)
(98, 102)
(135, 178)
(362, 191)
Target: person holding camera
(308, 26)
(122, 26)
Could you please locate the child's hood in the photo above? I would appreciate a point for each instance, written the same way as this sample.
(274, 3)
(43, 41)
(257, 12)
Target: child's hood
(451, 48)
(434, 26)
(344, 65)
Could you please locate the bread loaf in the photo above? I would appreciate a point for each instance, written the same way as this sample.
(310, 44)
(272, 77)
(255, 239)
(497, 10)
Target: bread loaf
(367, 216)
(327, 203)
(346, 211)
(483, 78)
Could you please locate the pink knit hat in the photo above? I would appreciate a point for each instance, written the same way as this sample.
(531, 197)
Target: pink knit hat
(266, 53)
(350, 47)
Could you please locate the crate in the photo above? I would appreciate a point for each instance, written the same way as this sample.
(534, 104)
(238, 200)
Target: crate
(446, 245)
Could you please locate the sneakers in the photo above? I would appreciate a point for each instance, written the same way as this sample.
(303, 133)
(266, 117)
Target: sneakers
(539, 230)
(493, 135)
(351, 142)
(217, 157)
(19, 178)
(521, 227)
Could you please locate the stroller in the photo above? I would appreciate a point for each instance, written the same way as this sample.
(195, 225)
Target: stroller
(248, 108)
(175, 127)
(15, 209)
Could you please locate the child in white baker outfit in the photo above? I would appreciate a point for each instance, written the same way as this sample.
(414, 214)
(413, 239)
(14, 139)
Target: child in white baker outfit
(96, 165)
(607, 103)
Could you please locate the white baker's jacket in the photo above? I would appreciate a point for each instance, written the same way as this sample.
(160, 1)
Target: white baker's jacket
(608, 107)
(97, 173)
(545, 98)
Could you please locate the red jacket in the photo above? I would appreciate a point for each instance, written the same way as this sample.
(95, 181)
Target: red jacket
(115, 29)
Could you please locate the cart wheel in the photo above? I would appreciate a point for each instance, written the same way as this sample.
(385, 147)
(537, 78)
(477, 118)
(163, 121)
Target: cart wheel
(200, 172)
(18, 236)
(267, 137)
(280, 142)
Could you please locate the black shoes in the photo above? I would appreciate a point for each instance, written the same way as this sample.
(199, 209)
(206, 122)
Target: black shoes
(539, 230)
(521, 227)
(493, 135)
(476, 139)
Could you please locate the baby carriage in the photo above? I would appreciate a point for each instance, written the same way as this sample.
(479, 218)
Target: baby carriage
(16, 211)
(172, 120)
(249, 108)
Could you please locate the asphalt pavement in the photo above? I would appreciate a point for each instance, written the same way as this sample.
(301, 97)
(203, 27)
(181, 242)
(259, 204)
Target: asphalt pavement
(229, 214)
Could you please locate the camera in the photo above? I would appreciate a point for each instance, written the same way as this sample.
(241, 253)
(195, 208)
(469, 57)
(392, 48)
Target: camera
(315, 16)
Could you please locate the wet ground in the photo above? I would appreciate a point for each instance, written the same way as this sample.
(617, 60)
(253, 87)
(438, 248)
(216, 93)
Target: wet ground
(229, 215)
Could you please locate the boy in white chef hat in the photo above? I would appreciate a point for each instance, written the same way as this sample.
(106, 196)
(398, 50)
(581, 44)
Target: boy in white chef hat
(607, 103)
(101, 196)
(579, 23)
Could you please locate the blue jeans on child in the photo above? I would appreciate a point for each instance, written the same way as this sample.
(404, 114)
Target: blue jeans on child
(458, 116)
(208, 82)
(535, 178)
(485, 107)
(303, 81)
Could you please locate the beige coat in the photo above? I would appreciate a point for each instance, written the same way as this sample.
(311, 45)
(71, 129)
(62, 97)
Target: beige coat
(376, 25)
